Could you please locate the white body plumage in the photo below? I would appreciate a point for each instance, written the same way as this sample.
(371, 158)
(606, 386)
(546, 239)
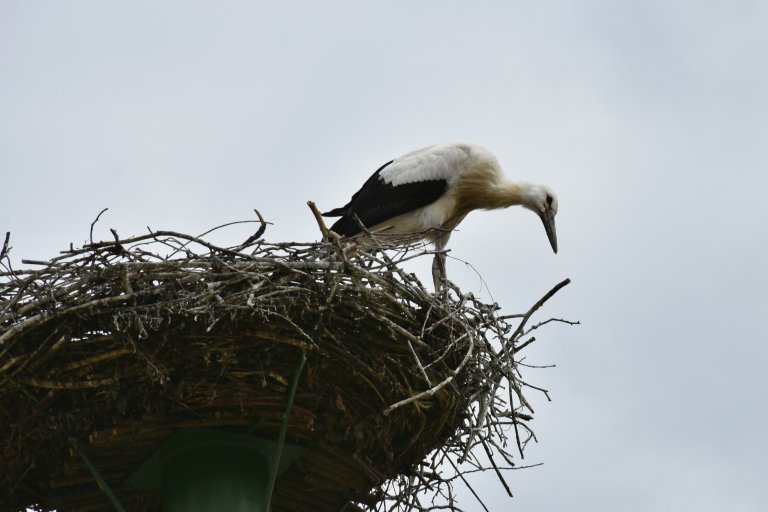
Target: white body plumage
(434, 188)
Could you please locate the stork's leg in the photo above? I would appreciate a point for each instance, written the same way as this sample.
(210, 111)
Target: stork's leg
(438, 271)
(439, 276)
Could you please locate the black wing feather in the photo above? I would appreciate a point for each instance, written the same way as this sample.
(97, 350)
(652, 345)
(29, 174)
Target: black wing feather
(341, 211)
(377, 201)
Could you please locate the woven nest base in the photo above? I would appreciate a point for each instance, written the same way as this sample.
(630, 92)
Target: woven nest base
(110, 349)
(240, 381)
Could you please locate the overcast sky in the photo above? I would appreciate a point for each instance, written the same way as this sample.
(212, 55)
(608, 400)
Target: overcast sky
(648, 118)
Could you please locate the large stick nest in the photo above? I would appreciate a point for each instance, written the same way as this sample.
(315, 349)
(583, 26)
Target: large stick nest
(109, 349)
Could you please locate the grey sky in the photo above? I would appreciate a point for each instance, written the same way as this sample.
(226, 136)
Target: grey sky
(648, 118)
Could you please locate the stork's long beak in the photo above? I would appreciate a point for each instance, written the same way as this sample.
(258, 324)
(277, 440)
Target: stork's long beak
(548, 218)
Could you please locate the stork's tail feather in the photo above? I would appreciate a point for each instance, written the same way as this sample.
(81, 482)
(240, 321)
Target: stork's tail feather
(336, 212)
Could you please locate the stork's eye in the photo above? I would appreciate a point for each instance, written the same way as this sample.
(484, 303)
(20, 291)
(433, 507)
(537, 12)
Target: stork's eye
(549, 200)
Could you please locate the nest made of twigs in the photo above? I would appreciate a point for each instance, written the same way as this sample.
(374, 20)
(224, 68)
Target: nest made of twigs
(111, 348)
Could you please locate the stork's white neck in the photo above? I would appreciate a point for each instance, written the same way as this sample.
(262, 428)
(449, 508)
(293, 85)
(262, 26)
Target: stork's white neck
(512, 193)
(509, 193)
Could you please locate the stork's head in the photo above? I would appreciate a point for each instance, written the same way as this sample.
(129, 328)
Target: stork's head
(542, 200)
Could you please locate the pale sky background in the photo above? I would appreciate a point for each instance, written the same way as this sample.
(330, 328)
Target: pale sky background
(648, 118)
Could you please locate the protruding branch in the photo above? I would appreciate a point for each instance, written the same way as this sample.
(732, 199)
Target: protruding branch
(259, 232)
(319, 218)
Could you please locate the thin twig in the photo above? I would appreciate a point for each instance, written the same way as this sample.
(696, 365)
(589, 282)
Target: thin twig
(4, 250)
(94, 223)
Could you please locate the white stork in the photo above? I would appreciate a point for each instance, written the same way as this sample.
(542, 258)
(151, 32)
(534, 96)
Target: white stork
(431, 190)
